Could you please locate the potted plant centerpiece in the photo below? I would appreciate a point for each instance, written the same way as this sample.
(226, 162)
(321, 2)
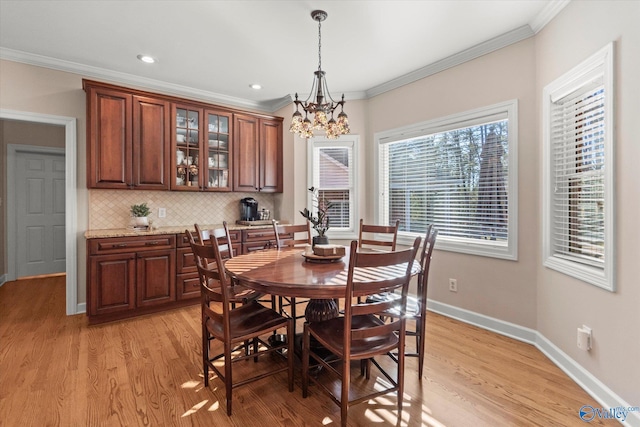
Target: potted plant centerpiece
(320, 221)
(140, 215)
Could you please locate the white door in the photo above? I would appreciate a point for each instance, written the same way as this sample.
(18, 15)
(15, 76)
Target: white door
(40, 213)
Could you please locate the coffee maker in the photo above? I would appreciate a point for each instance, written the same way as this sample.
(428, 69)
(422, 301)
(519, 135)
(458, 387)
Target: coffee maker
(249, 209)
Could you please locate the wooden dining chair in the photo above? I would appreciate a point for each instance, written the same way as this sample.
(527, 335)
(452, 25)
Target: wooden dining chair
(300, 236)
(360, 334)
(204, 256)
(221, 233)
(416, 306)
(234, 328)
(381, 237)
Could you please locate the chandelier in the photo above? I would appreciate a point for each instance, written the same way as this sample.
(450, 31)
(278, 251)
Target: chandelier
(318, 113)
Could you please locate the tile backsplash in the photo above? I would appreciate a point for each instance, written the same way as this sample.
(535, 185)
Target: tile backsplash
(110, 208)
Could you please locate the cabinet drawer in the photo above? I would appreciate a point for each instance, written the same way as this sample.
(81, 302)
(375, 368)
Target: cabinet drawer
(114, 245)
(258, 246)
(185, 262)
(188, 286)
(259, 234)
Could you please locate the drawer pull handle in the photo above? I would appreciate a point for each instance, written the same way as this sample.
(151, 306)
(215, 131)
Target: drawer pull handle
(121, 245)
(155, 243)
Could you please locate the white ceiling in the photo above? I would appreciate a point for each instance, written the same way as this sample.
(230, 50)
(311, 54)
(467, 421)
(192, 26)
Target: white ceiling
(215, 49)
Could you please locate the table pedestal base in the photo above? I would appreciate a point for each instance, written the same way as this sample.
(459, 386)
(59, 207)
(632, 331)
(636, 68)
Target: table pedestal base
(321, 309)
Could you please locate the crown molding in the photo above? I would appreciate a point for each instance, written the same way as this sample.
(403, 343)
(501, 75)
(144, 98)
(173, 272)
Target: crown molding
(547, 14)
(476, 51)
(130, 79)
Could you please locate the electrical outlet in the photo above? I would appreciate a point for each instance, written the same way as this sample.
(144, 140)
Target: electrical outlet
(584, 338)
(453, 285)
(162, 212)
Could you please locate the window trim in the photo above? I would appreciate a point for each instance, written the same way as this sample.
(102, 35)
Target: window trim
(598, 64)
(348, 141)
(443, 124)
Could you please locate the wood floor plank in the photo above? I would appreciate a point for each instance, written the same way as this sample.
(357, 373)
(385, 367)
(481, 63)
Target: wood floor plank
(56, 370)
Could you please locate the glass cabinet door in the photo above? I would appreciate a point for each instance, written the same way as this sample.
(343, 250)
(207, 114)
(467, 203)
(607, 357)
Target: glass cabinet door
(187, 147)
(217, 148)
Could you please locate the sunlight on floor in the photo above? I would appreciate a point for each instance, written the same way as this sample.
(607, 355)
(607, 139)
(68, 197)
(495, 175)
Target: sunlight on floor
(195, 408)
(191, 384)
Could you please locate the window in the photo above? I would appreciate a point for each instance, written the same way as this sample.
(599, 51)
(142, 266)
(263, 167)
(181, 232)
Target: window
(578, 172)
(458, 173)
(332, 171)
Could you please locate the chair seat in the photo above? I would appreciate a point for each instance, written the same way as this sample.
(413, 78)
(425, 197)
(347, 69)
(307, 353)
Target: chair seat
(413, 305)
(330, 334)
(248, 319)
(240, 293)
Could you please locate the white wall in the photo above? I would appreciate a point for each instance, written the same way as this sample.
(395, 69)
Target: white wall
(564, 304)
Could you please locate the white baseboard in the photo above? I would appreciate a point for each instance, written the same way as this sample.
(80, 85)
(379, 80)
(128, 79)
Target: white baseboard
(81, 308)
(587, 381)
(3, 279)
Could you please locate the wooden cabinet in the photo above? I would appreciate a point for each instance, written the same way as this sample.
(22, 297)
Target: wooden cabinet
(111, 284)
(257, 152)
(130, 275)
(109, 138)
(271, 155)
(127, 139)
(202, 147)
(145, 141)
(150, 159)
(156, 278)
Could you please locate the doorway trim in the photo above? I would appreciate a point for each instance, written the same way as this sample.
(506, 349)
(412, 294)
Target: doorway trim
(71, 223)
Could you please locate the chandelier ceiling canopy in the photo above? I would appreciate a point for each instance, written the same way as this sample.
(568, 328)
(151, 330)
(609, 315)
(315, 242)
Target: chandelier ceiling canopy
(319, 111)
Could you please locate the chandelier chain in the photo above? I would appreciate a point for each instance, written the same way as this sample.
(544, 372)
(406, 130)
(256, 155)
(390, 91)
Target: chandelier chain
(319, 46)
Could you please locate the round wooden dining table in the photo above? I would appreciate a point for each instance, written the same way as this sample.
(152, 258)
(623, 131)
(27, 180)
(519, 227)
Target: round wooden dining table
(287, 272)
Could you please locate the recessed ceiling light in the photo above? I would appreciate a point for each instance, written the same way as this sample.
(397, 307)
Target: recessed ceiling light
(147, 59)
(255, 86)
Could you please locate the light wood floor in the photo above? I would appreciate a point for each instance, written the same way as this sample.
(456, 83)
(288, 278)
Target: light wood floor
(55, 370)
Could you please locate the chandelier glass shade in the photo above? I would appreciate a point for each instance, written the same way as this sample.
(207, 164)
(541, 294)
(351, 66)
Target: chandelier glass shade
(319, 108)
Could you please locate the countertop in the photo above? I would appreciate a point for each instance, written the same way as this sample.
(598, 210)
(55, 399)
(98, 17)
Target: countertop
(177, 229)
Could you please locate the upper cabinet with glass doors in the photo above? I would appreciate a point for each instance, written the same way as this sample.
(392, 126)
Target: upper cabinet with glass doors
(201, 149)
(217, 150)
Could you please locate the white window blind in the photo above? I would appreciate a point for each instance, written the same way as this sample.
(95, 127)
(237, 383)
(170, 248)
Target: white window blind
(578, 188)
(577, 135)
(456, 175)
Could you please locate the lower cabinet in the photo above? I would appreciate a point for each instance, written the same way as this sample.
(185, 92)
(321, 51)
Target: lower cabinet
(130, 276)
(156, 278)
(127, 276)
(111, 283)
